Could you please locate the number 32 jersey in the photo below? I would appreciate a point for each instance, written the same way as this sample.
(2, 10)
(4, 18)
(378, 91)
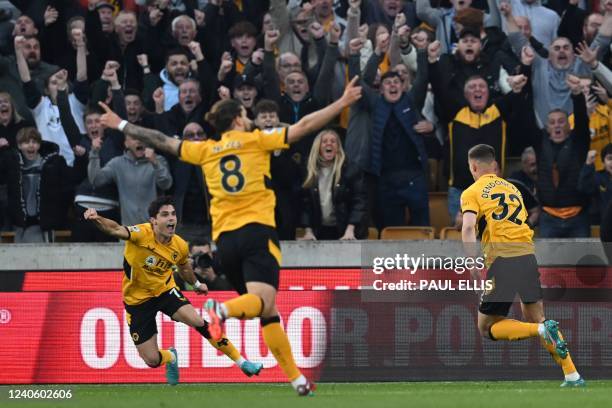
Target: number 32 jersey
(501, 217)
(237, 172)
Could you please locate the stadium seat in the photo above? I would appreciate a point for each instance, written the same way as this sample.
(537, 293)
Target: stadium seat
(8, 237)
(372, 233)
(62, 235)
(450, 233)
(595, 231)
(438, 210)
(407, 233)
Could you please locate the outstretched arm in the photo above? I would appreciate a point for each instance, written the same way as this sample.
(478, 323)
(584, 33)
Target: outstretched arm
(316, 120)
(109, 227)
(152, 137)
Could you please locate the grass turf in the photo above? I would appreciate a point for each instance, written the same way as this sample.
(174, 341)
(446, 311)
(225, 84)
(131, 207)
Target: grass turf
(512, 394)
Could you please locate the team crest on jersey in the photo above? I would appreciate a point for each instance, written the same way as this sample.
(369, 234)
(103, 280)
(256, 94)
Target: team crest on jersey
(133, 228)
(151, 260)
(174, 256)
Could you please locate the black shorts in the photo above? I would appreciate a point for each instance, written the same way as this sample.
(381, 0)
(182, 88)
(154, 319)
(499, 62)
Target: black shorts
(250, 254)
(141, 318)
(518, 274)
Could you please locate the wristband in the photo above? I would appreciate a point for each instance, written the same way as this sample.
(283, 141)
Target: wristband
(197, 284)
(122, 125)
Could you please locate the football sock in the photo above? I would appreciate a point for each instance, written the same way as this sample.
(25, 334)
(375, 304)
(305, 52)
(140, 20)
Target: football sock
(226, 347)
(567, 365)
(166, 357)
(246, 306)
(510, 329)
(276, 339)
(301, 380)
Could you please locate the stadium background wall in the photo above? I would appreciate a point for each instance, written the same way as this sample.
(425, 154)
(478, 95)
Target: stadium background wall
(66, 298)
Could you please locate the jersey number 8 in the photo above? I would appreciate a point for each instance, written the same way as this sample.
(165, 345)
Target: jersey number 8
(230, 166)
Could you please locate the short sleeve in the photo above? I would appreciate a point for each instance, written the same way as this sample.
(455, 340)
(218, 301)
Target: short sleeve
(184, 253)
(137, 233)
(273, 139)
(193, 152)
(469, 202)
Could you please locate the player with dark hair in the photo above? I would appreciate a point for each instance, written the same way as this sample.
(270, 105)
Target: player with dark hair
(495, 207)
(237, 171)
(152, 253)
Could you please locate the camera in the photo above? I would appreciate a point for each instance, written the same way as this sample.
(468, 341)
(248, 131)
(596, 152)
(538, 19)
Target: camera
(202, 260)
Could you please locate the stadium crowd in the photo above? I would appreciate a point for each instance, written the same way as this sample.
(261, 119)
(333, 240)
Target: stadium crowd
(529, 77)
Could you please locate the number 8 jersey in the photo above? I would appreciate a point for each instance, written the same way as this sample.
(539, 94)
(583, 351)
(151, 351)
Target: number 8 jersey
(237, 173)
(501, 217)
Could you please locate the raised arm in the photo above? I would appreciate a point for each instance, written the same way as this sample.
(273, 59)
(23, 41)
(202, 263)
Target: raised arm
(428, 14)
(22, 64)
(81, 55)
(109, 227)
(316, 120)
(151, 137)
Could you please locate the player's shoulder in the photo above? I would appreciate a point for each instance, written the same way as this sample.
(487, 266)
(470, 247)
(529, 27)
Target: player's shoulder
(180, 242)
(139, 232)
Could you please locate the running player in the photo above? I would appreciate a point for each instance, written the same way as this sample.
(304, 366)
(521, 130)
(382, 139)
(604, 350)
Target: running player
(495, 207)
(152, 253)
(237, 172)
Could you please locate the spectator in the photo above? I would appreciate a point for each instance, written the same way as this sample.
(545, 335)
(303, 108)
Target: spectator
(525, 180)
(442, 20)
(544, 21)
(37, 177)
(138, 175)
(481, 120)
(600, 121)
(175, 73)
(245, 92)
(190, 108)
(10, 121)
(385, 11)
(560, 154)
(206, 267)
(397, 155)
(191, 198)
(285, 172)
(548, 76)
(44, 108)
(10, 79)
(134, 107)
(335, 197)
(110, 142)
(597, 183)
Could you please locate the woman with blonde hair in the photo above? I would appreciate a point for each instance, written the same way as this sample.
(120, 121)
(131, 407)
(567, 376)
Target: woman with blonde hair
(335, 197)
(10, 121)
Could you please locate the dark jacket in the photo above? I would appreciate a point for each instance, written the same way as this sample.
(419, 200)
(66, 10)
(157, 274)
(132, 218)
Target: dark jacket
(568, 158)
(593, 182)
(51, 193)
(350, 201)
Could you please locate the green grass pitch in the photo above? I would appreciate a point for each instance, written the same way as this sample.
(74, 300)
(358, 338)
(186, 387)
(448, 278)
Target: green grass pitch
(514, 394)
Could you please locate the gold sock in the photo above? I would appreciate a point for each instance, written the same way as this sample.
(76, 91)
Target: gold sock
(276, 339)
(166, 357)
(246, 306)
(567, 365)
(510, 329)
(225, 346)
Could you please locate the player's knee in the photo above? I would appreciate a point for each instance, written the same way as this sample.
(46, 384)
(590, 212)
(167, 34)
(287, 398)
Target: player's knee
(203, 329)
(264, 321)
(269, 310)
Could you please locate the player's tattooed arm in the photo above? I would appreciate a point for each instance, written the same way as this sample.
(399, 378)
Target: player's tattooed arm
(107, 226)
(152, 137)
